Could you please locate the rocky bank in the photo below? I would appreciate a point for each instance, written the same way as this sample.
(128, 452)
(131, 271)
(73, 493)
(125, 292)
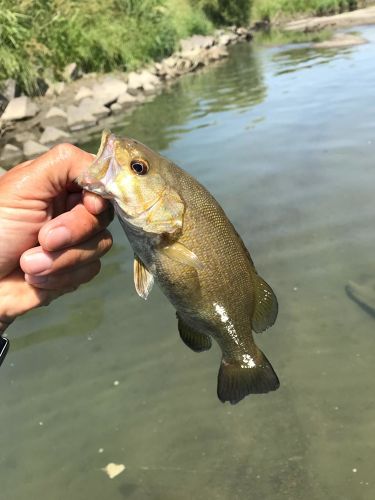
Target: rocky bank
(83, 104)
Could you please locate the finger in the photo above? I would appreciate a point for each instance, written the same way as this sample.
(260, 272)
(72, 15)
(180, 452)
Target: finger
(73, 227)
(94, 203)
(67, 279)
(18, 296)
(50, 174)
(37, 261)
(72, 200)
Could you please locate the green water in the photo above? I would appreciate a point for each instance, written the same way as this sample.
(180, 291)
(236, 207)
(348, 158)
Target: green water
(285, 140)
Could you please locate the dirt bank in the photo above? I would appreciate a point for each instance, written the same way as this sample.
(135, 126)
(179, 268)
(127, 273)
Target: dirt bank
(355, 18)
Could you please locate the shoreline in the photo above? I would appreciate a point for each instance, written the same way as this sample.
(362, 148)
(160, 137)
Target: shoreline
(74, 110)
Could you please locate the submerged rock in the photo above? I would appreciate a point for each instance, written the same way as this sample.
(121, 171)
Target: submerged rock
(20, 108)
(363, 293)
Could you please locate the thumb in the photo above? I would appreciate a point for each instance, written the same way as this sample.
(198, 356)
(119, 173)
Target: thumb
(48, 175)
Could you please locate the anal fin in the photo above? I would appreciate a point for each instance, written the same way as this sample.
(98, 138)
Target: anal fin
(198, 342)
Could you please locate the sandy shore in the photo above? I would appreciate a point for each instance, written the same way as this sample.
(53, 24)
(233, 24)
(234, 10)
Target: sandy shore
(354, 18)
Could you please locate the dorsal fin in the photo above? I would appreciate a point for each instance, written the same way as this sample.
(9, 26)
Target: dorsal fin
(266, 307)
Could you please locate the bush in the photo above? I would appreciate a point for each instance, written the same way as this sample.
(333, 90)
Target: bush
(224, 12)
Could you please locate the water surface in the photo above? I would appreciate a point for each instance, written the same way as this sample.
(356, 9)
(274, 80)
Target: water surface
(285, 139)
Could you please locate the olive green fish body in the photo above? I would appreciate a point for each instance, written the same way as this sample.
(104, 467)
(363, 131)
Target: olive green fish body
(206, 272)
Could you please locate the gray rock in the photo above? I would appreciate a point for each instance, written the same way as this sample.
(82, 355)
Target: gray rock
(79, 119)
(55, 88)
(10, 155)
(10, 89)
(197, 42)
(83, 93)
(3, 103)
(31, 149)
(137, 81)
(108, 91)
(227, 38)
(116, 108)
(71, 72)
(52, 135)
(149, 89)
(244, 33)
(24, 135)
(126, 99)
(55, 117)
(20, 108)
(216, 53)
(94, 107)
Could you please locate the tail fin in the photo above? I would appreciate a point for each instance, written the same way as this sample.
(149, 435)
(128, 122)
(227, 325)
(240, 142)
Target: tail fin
(238, 378)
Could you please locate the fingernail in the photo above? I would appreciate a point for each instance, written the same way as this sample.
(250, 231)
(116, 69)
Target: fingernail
(58, 237)
(35, 280)
(37, 262)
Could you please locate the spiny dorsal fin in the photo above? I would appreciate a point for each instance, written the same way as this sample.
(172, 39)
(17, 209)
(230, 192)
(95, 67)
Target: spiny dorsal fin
(179, 253)
(266, 307)
(197, 341)
(143, 279)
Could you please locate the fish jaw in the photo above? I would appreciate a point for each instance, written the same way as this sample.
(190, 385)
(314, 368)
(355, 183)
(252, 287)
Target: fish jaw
(100, 176)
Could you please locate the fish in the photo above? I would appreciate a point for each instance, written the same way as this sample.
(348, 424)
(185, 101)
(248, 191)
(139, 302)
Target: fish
(183, 241)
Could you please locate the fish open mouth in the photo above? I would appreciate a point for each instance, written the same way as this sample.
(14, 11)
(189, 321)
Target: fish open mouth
(103, 170)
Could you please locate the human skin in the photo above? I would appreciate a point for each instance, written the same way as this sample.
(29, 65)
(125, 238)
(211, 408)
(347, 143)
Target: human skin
(53, 235)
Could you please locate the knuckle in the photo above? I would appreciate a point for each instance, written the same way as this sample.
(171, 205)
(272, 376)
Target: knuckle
(64, 150)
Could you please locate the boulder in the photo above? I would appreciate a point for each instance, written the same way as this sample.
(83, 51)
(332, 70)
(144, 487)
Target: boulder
(71, 72)
(52, 135)
(216, 53)
(197, 42)
(126, 99)
(20, 108)
(149, 89)
(226, 39)
(94, 107)
(3, 103)
(108, 91)
(31, 149)
(137, 81)
(82, 93)
(55, 117)
(10, 155)
(79, 119)
(24, 135)
(244, 33)
(10, 89)
(55, 88)
(116, 108)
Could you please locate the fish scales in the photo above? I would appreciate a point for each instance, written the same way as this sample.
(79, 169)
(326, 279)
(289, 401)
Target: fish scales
(184, 241)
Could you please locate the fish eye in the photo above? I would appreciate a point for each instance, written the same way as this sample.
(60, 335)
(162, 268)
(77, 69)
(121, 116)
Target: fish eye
(140, 167)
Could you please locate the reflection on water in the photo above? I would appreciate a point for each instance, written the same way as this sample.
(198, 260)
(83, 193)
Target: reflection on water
(102, 376)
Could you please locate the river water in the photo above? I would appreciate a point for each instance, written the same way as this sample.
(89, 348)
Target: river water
(284, 137)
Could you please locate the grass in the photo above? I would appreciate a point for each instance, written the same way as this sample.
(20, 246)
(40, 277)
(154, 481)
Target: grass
(39, 37)
(272, 10)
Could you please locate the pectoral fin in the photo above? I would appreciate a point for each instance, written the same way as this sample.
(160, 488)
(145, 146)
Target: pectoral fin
(266, 307)
(143, 279)
(179, 253)
(197, 341)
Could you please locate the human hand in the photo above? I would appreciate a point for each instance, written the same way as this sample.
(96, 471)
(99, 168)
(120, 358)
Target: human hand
(52, 234)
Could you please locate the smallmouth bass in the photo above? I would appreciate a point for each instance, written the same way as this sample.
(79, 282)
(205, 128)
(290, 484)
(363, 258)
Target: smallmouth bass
(183, 240)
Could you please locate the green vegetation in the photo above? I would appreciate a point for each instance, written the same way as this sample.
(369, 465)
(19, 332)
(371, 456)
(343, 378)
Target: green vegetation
(275, 9)
(39, 37)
